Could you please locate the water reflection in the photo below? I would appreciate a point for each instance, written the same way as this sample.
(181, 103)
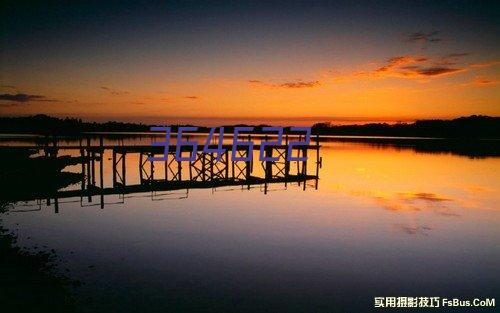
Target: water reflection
(472, 148)
(383, 222)
(36, 172)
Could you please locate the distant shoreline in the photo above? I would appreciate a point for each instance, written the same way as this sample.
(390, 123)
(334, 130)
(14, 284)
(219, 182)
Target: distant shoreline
(471, 127)
(155, 133)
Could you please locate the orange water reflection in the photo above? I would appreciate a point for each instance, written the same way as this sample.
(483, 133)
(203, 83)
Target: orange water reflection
(384, 221)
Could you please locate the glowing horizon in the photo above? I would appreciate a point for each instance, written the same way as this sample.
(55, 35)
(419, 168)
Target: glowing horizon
(157, 62)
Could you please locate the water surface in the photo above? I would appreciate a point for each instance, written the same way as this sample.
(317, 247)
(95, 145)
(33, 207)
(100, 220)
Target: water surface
(384, 221)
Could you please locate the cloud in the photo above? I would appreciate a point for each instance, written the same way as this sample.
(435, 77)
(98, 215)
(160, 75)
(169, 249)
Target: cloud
(484, 64)
(24, 98)
(412, 66)
(434, 71)
(300, 84)
(394, 204)
(413, 230)
(395, 62)
(485, 82)
(9, 86)
(421, 37)
(192, 97)
(450, 59)
(288, 85)
(480, 81)
(458, 55)
(414, 201)
(409, 66)
(425, 196)
(114, 92)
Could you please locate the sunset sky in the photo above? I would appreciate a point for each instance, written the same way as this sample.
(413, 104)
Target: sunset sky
(283, 62)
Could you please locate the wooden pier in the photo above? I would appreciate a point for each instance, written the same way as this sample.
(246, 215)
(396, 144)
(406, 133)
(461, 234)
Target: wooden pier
(205, 171)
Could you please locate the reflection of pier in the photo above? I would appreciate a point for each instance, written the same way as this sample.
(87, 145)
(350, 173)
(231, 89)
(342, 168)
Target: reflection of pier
(172, 175)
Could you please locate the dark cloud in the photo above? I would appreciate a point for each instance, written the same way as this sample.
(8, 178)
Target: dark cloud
(414, 201)
(424, 37)
(482, 82)
(191, 97)
(411, 66)
(288, 85)
(114, 92)
(437, 71)
(427, 196)
(23, 98)
(394, 62)
(300, 84)
(457, 55)
(450, 59)
(9, 86)
(413, 230)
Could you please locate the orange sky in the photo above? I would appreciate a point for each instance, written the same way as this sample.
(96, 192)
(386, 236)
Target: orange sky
(299, 69)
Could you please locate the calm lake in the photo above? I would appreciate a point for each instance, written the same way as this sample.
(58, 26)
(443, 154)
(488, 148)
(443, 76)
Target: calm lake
(384, 220)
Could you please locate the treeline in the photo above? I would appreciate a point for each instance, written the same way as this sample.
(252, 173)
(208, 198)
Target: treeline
(464, 127)
(43, 124)
(474, 126)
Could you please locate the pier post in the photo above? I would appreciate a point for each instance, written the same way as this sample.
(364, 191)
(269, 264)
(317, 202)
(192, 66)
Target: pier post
(317, 162)
(269, 164)
(227, 164)
(101, 177)
(191, 164)
(287, 163)
(93, 168)
(82, 155)
(124, 168)
(141, 163)
(212, 160)
(114, 168)
(179, 169)
(89, 170)
(232, 166)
